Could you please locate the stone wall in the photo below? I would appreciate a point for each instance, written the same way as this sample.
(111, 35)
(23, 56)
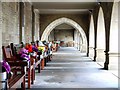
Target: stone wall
(10, 22)
(65, 35)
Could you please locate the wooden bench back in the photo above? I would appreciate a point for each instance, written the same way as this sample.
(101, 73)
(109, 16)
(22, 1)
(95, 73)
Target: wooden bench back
(18, 69)
(7, 52)
(15, 48)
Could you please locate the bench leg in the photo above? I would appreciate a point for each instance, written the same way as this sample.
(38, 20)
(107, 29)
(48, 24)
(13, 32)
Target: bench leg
(50, 57)
(32, 76)
(47, 58)
(39, 67)
(23, 84)
(42, 64)
(29, 78)
(45, 61)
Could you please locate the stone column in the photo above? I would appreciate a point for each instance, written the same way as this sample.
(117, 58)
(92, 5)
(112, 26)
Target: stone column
(87, 49)
(107, 10)
(79, 42)
(118, 40)
(0, 39)
(21, 21)
(36, 25)
(95, 17)
(88, 34)
(106, 60)
(0, 30)
(28, 22)
(33, 24)
(88, 44)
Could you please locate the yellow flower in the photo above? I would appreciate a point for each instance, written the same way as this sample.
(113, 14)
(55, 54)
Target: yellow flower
(41, 48)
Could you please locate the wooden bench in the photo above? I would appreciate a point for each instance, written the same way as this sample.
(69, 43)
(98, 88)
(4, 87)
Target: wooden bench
(37, 62)
(18, 75)
(37, 59)
(18, 69)
(47, 56)
(32, 66)
(7, 52)
(16, 80)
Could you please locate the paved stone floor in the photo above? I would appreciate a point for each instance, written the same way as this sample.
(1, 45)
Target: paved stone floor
(71, 69)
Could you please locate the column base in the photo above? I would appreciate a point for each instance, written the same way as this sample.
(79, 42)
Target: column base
(87, 54)
(94, 59)
(106, 66)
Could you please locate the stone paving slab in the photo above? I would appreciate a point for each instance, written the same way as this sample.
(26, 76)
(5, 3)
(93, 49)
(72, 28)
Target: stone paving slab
(68, 70)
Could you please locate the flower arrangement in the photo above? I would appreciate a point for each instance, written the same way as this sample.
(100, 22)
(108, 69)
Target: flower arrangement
(24, 54)
(23, 50)
(41, 48)
(29, 48)
(34, 48)
(5, 66)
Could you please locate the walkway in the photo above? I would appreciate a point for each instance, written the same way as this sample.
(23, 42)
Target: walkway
(71, 69)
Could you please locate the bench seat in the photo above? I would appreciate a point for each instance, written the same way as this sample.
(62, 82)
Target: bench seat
(15, 81)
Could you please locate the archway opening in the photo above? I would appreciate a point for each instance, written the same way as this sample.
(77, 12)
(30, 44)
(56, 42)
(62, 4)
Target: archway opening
(100, 38)
(64, 34)
(91, 39)
(70, 22)
(114, 39)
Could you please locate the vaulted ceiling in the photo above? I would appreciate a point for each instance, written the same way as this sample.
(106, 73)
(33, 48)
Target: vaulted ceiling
(64, 6)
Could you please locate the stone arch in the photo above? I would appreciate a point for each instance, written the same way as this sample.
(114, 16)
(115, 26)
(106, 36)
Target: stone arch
(101, 38)
(114, 38)
(91, 38)
(70, 22)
